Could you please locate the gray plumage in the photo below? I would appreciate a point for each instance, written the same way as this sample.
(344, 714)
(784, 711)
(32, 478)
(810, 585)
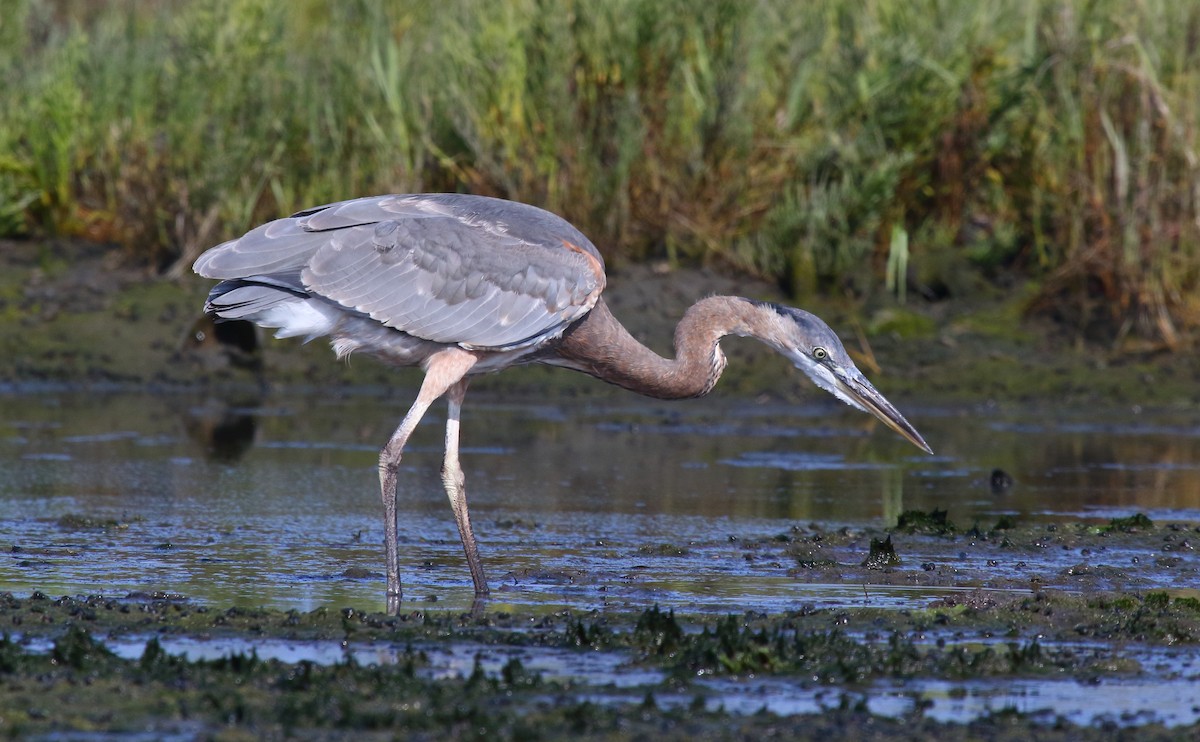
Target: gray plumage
(461, 285)
(477, 272)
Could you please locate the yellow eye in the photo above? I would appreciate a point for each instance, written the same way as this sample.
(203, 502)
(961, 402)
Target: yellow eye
(820, 354)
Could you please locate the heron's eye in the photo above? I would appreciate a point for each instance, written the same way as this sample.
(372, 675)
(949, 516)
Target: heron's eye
(820, 354)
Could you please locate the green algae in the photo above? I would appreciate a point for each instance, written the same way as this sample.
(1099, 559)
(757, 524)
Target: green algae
(882, 555)
(935, 523)
(81, 522)
(902, 323)
(81, 685)
(1130, 524)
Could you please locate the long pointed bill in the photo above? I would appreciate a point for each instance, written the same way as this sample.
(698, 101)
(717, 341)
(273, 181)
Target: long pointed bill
(854, 385)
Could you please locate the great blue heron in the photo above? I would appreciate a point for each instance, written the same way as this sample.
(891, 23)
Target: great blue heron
(463, 285)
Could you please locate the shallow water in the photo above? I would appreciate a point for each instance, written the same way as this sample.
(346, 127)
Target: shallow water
(611, 501)
(608, 501)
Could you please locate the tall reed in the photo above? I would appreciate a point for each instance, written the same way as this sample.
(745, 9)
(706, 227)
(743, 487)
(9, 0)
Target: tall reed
(1052, 140)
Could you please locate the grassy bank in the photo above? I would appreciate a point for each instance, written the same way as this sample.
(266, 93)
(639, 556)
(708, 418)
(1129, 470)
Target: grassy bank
(829, 146)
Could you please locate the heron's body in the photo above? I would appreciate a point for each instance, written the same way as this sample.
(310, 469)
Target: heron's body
(462, 285)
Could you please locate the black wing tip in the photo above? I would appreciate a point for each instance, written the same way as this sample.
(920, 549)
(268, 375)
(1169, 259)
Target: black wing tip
(214, 308)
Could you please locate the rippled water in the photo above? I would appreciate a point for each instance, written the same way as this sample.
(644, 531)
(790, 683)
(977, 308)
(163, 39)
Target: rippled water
(606, 501)
(274, 501)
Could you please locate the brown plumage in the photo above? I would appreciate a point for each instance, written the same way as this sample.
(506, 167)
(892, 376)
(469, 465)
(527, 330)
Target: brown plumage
(463, 285)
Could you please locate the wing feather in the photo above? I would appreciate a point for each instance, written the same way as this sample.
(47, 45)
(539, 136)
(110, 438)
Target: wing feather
(467, 270)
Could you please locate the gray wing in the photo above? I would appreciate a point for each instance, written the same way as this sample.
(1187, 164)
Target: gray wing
(466, 270)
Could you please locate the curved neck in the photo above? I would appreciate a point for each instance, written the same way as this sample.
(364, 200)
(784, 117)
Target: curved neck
(598, 345)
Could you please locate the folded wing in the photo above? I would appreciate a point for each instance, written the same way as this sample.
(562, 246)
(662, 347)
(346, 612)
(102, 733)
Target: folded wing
(476, 272)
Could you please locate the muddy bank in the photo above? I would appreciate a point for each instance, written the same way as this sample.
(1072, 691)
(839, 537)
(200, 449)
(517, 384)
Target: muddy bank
(73, 314)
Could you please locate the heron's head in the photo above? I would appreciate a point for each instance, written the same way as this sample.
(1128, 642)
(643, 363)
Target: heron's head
(816, 350)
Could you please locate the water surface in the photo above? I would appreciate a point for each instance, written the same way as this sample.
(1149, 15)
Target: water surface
(612, 500)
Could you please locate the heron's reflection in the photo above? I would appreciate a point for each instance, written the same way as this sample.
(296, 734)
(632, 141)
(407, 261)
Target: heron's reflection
(222, 348)
(224, 430)
(223, 424)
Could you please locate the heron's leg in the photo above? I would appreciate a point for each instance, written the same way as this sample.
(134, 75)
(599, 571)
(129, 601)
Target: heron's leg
(442, 371)
(452, 477)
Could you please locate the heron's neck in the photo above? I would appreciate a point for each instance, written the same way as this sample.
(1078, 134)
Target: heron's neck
(598, 345)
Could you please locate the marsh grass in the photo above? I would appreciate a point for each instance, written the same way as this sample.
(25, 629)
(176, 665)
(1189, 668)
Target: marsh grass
(1051, 140)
